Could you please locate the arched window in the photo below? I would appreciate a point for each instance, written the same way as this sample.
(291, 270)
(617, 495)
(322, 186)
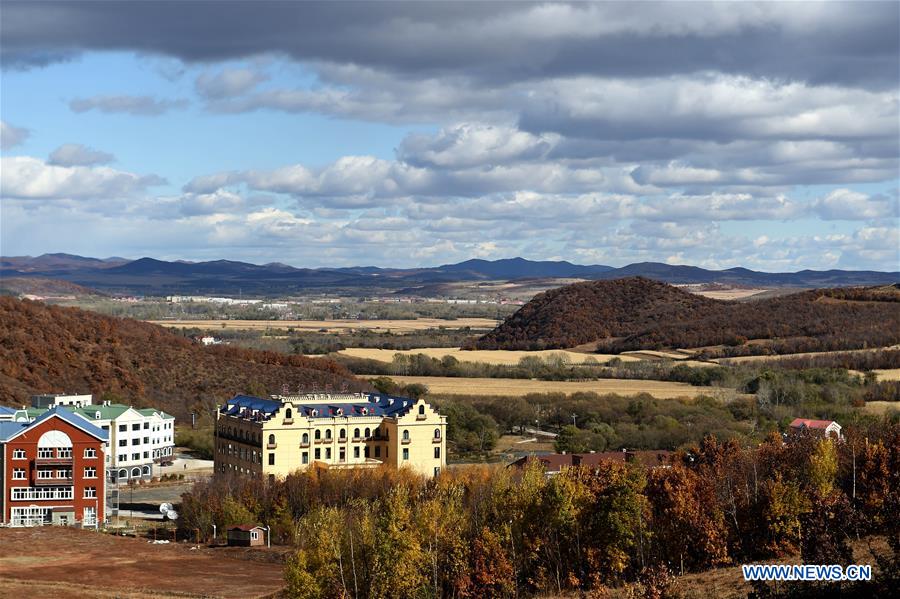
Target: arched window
(318, 434)
(288, 414)
(356, 433)
(437, 433)
(271, 439)
(406, 435)
(135, 473)
(422, 410)
(328, 434)
(123, 473)
(368, 432)
(342, 433)
(305, 437)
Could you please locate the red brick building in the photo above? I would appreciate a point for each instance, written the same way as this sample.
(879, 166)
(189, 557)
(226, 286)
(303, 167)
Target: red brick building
(52, 470)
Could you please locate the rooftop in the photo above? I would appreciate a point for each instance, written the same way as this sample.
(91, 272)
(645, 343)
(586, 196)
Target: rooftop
(318, 405)
(807, 423)
(8, 430)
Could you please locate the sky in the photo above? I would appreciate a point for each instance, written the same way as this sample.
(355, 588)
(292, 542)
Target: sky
(762, 135)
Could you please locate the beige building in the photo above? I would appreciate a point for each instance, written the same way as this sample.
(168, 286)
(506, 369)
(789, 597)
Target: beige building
(282, 434)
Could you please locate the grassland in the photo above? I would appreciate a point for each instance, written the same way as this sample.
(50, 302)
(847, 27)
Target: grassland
(450, 386)
(740, 359)
(334, 326)
(508, 357)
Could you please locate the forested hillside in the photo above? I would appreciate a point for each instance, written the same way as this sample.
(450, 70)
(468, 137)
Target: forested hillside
(637, 313)
(52, 349)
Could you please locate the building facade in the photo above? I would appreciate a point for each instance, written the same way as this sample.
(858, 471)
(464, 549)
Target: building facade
(276, 436)
(139, 439)
(52, 470)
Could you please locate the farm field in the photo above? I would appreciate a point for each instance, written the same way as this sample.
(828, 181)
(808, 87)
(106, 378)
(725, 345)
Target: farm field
(729, 294)
(499, 356)
(333, 326)
(881, 407)
(90, 564)
(448, 386)
(739, 359)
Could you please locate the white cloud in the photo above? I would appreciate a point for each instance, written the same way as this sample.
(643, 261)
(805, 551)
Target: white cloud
(133, 105)
(228, 82)
(78, 155)
(11, 136)
(25, 177)
(846, 204)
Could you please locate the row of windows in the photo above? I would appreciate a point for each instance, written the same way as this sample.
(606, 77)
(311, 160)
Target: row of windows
(137, 426)
(47, 452)
(342, 456)
(342, 434)
(20, 474)
(41, 493)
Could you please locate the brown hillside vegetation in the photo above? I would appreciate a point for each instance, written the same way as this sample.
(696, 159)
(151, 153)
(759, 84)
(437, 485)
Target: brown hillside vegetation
(637, 313)
(52, 349)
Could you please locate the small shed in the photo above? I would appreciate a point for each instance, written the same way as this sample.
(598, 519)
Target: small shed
(820, 428)
(246, 535)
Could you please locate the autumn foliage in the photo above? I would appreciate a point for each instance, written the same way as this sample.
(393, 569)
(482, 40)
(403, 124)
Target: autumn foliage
(499, 532)
(52, 349)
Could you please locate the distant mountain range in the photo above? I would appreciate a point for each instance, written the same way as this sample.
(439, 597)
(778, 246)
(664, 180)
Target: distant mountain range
(157, 277)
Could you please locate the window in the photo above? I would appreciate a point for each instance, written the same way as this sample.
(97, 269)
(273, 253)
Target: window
(64, 452)
(271, 459)
(356, 452)
(105, 427)
(356, 433)
(366, 451)
(136, 427)
(271, 439)
(318, 435)
(90, 472)
(368, 432)
(288, 414)
(318, 453)
(64, 474)
(90, 452)
(135, 441)
(421, 410)
(328, 434)
(327, 453)
(123, 442)
(437, 433)
(122, 457)
(147, 440)
(378, 451)
(146, 455)
(40, 474)
(437, 470)
(135, 456)
(19, 473)
(437, 453)
(254, 534)
(45, 452)
(342, 454)
(146, 425)
(123, 428)
(406, 435)
(406, 453)
(305, 439)
(342, 434)
(304, 457)
(90, 492)
(18, 454)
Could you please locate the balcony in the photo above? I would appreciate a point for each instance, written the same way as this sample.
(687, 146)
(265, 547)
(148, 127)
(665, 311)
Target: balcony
(436, 440)
(421, 416)
(271, 445)
(288, 421)
(304, 445)
(54, 482)
(405, 441)
(357, 439)
(53, 461)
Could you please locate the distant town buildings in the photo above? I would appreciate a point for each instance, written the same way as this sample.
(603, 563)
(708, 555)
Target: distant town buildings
(819, 428)
(52, 470)
(279, 435)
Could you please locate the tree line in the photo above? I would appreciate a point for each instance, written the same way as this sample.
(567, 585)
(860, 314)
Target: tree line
(499, 532)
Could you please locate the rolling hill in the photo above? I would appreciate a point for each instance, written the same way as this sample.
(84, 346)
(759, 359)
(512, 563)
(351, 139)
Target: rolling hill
(149, 276)
(637, 313)
(51, 349)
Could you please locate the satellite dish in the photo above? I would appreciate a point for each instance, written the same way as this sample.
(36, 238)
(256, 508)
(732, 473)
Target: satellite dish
(172, 515)
(165, 507)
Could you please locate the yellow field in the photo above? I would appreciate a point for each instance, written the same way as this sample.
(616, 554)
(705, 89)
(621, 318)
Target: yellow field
(334, 326)
(881, 407)
(438, 385)
(803, 355)
(887, 375)
(499, 356)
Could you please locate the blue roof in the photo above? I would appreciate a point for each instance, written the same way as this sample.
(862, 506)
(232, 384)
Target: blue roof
(373, 405)
(6, 410)
(10, 429)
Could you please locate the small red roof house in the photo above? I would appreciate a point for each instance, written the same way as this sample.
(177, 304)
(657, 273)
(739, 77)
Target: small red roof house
(246, 535)
(820, 428)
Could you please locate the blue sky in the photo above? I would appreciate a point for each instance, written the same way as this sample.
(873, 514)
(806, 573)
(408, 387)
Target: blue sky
(756, 135)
